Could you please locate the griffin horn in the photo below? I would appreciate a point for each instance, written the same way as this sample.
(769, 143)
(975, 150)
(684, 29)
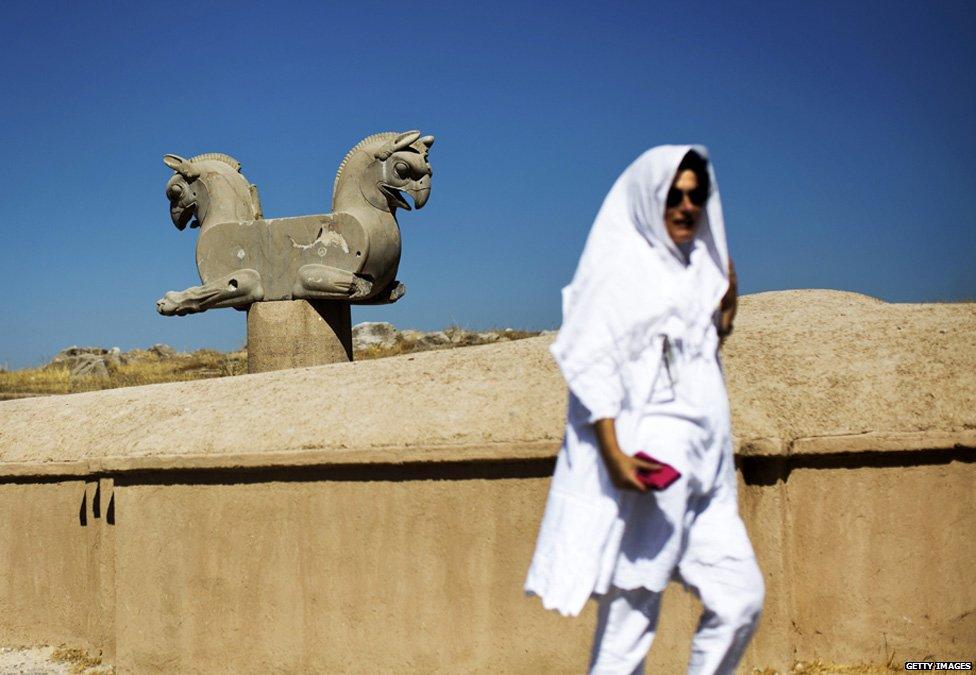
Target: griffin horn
(181, 166)
(173, 161)
(405, 139)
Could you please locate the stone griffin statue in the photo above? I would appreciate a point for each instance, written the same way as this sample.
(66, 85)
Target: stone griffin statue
(350, 255)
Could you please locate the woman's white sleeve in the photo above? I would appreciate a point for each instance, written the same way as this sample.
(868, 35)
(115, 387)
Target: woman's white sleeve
(600, 389)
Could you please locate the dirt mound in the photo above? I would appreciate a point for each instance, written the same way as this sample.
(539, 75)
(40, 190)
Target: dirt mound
(800, 364)
(818, 362)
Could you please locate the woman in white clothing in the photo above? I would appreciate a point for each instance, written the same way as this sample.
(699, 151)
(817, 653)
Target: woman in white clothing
(639, 350)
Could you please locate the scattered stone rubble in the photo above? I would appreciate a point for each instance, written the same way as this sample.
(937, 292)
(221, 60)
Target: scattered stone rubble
(98, 361)
(379, 335)
(88, 360)
(374, 334)
(46, 660)
(369, 336)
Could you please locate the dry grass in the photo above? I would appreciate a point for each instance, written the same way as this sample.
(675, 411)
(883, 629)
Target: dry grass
(408, 342)
(78, 659)
(821, 667)
(401, 347)
(142, 368)
(147, 367)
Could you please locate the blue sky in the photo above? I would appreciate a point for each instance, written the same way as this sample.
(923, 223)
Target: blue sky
(842, 133)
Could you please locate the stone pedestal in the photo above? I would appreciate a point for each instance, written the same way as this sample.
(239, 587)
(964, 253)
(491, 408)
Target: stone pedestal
(297, 334)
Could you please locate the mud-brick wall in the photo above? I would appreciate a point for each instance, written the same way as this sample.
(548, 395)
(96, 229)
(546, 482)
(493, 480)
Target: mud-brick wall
(380, 516)
(53, 581)
(418, 567)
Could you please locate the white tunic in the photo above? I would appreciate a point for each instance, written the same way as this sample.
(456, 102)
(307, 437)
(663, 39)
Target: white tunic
(631, 299)
(594, 535)
(686, 424)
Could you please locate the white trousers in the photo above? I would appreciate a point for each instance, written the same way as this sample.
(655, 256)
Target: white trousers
(731, 591)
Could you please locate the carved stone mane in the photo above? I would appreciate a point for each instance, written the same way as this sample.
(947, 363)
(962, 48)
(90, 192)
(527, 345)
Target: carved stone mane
(382, 136)
(218, 156)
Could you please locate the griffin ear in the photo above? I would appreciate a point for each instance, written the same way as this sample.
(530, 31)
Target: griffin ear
(173, 161)
(427, 140)
(405, 139)
(399, 143)
(181, 166)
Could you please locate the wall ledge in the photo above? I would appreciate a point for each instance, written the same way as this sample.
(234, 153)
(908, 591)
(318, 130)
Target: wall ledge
(884, 442)
(470, 453)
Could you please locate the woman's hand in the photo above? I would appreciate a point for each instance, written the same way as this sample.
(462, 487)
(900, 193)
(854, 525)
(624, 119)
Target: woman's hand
(729, 305)
(622, 467)
(623, 471)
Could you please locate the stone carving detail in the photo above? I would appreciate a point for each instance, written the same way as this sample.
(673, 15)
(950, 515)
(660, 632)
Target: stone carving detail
(351, 254)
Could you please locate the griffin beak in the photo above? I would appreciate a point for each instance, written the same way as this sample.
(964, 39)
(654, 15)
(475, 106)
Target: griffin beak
(420, 197)
(395, 196)
(180, 217)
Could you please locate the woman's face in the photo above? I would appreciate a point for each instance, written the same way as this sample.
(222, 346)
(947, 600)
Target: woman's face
(683, 210)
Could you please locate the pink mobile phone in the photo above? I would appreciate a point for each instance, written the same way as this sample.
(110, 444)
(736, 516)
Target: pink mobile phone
(658, 479)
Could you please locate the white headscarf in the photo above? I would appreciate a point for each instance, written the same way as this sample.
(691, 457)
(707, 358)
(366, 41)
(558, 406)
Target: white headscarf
(632, 282)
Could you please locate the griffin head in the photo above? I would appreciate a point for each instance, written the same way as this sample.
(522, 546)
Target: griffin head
(405, 168)
(180, 192)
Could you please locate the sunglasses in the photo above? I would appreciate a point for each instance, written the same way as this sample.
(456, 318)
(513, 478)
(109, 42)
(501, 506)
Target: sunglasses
(696, 196)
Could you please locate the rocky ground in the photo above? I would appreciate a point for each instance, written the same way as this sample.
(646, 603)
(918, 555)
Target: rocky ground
(77, 369)
(61, 661)
(50, 661)
(374, 339)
